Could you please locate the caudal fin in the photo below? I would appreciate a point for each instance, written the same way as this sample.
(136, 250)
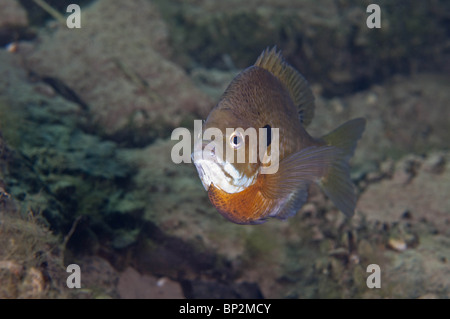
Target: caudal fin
(337, 183)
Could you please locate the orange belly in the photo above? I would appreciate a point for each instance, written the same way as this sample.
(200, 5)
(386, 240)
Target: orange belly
(246, 207)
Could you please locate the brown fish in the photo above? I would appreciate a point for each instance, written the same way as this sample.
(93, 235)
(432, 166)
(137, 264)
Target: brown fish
(271, 94)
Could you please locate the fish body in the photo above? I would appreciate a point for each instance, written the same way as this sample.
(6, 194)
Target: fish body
(271, 94)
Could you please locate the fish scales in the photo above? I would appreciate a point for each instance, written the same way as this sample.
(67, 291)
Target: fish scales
(271, 94)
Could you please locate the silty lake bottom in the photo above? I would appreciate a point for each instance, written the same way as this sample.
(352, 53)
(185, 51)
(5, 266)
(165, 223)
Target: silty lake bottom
(86, 176)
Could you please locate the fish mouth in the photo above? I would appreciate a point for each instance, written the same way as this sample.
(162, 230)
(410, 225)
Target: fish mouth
(222, 175)
(197, 159)
(209, 165)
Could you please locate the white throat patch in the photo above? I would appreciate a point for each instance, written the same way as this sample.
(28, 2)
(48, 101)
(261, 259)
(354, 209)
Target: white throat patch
(222, 174)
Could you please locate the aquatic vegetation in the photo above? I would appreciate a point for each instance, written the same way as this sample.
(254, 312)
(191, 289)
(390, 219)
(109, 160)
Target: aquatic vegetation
(28, 251)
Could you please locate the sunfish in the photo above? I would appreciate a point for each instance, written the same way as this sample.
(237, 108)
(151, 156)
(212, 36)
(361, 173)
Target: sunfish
(271, 94)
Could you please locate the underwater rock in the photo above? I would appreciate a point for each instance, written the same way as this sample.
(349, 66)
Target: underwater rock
(98, 278)
(133, 93)
(329, 42)
(420, 271)
(33, 285)
(133, 285)
(411, 208)
(397, 244)
(420, 192)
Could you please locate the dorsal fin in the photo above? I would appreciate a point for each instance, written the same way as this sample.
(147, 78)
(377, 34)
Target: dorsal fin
(298, 87)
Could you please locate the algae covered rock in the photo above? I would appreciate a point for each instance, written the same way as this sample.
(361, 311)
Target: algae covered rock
(329, 42)
(54, 162)
(123, 77)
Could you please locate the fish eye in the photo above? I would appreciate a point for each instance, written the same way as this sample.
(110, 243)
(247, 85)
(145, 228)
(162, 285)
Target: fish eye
(236, 140)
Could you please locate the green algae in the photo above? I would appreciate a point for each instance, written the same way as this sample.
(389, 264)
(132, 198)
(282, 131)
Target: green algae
(10, 122)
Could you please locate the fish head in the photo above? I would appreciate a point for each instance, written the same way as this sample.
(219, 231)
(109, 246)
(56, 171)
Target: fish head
(223, 154)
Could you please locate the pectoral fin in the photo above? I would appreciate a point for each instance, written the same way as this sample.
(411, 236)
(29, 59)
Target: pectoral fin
(290, 184)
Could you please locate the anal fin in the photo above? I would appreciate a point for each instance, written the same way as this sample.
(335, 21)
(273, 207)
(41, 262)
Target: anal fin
(294, 203)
